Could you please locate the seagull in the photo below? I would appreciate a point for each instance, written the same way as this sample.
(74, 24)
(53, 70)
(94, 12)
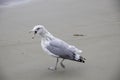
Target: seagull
(57, 47)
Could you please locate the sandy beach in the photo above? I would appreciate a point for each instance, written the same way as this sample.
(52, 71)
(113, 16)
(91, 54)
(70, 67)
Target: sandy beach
(22, 58)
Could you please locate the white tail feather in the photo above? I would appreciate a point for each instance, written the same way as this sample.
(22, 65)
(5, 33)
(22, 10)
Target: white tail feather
(77, 57)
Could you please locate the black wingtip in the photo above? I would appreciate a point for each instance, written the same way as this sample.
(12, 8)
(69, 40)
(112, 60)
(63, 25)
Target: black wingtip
(82, 59)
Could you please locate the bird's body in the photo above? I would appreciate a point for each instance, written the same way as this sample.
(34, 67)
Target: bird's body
(44, 44)
(56, 47)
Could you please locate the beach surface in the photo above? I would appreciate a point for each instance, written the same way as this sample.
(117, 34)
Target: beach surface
(22, 58)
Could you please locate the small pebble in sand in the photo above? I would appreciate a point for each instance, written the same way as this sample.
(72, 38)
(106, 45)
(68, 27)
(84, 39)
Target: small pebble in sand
(78, 35)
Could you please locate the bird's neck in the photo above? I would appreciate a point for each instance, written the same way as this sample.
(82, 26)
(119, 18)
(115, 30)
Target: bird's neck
(46, 35)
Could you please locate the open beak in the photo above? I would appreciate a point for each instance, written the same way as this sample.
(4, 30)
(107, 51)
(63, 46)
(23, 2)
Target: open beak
(35, 32)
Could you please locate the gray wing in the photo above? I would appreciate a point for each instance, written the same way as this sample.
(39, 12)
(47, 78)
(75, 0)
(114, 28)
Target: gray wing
(61, 49)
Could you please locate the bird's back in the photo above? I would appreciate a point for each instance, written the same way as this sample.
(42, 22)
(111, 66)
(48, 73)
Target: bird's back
(61, 49)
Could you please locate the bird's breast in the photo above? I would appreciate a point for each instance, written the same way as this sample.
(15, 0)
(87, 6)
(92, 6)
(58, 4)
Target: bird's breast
(44, 45)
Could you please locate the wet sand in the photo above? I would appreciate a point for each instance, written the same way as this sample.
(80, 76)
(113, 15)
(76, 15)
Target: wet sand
(11, 3)
(22, 58)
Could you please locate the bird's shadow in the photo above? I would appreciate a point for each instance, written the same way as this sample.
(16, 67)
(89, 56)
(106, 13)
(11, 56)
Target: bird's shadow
(62, 73)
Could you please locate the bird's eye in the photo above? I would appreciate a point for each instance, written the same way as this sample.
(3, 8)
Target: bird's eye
(35, 32)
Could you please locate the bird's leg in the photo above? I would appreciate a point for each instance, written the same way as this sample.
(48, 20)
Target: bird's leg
(56, 63)
(62, 65)
(54, 68)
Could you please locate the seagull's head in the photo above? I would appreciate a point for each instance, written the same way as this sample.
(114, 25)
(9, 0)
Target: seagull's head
(38, 29)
